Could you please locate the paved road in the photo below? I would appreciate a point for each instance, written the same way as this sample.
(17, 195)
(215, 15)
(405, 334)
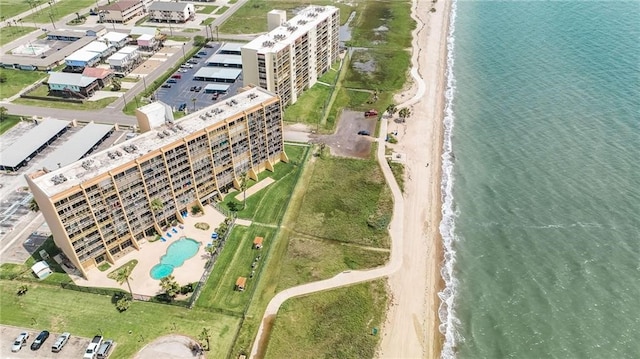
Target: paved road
(396, 229)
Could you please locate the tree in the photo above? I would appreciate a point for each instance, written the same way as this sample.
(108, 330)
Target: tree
(33, 205)
(404, 113)
(205, 336)
(199, 40)
(211, 250)
(392, 109)
(170, 286)
(3, 79)
(117, 85)
(156, 204)
(244, 182)
(123, 304)
(124, 275)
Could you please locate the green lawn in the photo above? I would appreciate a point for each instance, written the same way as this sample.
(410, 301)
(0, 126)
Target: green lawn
(235, 261)
(383, 23)
(389, 69)
(267, 206)
(347, 200)
(84, 314)
(179, 38)
(310, 105)
(251, 18)
(205, 9)
(222, 10)
(11, 8)
(190, 30)
(331, 324)
(8, 121)
(59, 10)
(207, 21)
(87, 105)
(16, 80)
(10, 33)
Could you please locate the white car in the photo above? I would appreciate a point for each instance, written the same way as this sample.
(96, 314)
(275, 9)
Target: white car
(60, 342)
(183, 70)
(20, 341)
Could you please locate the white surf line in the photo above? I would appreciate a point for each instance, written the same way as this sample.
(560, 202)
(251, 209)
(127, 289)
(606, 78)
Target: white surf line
(396, 226)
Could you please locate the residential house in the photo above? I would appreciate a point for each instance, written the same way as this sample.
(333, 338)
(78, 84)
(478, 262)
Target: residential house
(116, 39)
(148, 43)
(124, 60)
(121, 11)
(168, 11)
(72, 85)
(104, 76)
(101, 48)
(77, 61)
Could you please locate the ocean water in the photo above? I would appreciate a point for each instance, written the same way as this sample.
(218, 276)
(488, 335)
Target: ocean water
(542, 180)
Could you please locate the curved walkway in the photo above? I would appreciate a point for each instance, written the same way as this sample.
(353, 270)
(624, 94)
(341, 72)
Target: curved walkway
(169, 347)
(396, 226)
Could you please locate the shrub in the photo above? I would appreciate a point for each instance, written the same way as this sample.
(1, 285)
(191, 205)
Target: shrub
(22, 290)
(196, 209)
(123, 304)
(202, 225)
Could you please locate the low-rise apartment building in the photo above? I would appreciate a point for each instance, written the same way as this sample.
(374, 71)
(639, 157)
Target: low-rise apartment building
(168, 11)
(121, 11)
(290, 58)
(104, 205)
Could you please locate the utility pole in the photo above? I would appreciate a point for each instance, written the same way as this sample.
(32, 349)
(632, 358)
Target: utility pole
(52, 23)
(217, 37)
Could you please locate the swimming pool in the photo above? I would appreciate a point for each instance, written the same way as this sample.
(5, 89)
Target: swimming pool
(178, 252)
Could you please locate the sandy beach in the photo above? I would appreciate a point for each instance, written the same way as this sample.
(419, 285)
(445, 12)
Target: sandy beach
(411, 328)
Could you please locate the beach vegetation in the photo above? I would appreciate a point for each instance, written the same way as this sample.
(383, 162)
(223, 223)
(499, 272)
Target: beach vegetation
(16, 80)
(332, 324)
(86, 105)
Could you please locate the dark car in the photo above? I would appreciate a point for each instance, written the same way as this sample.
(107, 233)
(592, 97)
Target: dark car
(196, 56)
(40, 339)
(172, 81)
(364, 133)
(202, 53)
(166, 86)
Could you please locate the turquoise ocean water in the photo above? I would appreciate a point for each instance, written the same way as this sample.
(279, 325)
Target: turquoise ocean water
(542, 180)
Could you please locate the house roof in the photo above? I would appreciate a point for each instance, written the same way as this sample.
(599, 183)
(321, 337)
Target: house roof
(82, 55)
(96, 72)
(121, 5)
(128, 50)
(113, 36)
(241, 281)
(96, 46)
(141, 30)
(258, 240)
(168, 6)
(77, 146)
(144, 37)
(29, 142)
(66, 78)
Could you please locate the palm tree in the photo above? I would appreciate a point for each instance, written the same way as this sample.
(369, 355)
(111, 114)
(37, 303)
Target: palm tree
(205, 336)
(170, 286)
(124, 275)
(392, 109)
(33, 205)
(404, 113)
(244, 181)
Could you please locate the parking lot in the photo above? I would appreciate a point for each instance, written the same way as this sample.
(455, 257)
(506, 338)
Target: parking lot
(180, 91)
(74, 348)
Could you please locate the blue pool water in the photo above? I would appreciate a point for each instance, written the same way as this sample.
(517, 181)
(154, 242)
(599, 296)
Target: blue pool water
(178, 252)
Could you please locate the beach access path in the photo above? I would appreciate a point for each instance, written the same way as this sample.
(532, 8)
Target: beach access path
(411, 328)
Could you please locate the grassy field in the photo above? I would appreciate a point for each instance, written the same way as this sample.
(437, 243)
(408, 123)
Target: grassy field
(11, 8)
(7, 122)
(16, 80)
(331, 324)
(251, 18)
(10, 33)
(235, 261)
(312, 260)
(348, 201)
(179, 38)
(382, 24)
(222, 10)
(59, 10)
(87, 105)
(46, 306)
(310, 106)
(207, 21)
(206, 9)
(386, 69)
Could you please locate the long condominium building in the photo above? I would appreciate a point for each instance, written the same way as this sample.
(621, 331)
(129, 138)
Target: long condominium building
(290, 58)
(102, 206)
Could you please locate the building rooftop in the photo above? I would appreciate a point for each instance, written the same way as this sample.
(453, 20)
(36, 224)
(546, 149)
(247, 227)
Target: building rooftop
(168, 6)
(141, 30)
(146, 37)
(216, 87)
(112, 36)
(97, 163)
(96, 72)
(231, 47)
(50, 60)
(218, 73)
(225, 59)
(128, 50)
(121, 5)
(284, 34)
(117, 56)
(77, 146)
(71, 79)
(30, 141)
(96, 46)
(82, 55)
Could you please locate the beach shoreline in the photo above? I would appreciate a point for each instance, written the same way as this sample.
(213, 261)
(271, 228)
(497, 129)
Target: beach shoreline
(411, 329)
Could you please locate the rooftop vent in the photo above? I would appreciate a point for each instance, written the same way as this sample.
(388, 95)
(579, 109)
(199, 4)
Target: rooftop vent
(302, 22)
(279, 37)
(160, 135)
(179, 126)
(267, 43)
(312, 14)
(252, 96)
(87, 164)
(319, 9)
(292, 28)
(166, 132)
(57, 179)
(130, 148)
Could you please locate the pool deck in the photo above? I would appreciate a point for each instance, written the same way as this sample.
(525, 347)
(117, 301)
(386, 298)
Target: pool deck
(150, 253)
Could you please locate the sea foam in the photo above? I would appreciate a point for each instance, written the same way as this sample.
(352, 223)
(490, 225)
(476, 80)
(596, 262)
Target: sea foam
(446, 312)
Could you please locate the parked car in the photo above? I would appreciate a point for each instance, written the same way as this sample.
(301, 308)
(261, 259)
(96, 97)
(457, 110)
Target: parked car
(104, 349)
(176, 76)
(172, 81)
(92, 348)
(183, 70)
(60, 342)
(202, 53)
(208, 46)
(364, 133)
(196, 56)
(37, 343)
(186, 66)
(215, 96)
(166, 86)
(370, 113)
(182, 106)
(20, 341)
(192, 61)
